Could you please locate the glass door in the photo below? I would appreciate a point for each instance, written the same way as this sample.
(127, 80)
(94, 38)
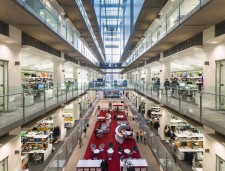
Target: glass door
(3, 85)
(220, 85)
(4, 165)
(220, 164)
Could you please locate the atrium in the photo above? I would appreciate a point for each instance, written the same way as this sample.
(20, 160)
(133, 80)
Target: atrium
(112, 85)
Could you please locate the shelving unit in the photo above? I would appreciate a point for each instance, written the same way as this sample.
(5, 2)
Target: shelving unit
(68, 117)
(36, 141)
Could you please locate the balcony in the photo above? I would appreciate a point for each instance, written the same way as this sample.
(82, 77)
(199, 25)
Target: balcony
(21, 106)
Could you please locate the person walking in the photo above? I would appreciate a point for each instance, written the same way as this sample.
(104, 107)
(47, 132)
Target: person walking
(167, 86)
(173, 84)
(85, 130)
(141, 136)
(80, 142)
(137, 136)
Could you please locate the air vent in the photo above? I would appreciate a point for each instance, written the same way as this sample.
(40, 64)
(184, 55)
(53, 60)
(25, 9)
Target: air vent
(28, 40)
(4, 28)
(196, 40)
(220, 29)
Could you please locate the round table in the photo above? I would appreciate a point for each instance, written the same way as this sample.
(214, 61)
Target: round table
(127, 151)
(96, 151)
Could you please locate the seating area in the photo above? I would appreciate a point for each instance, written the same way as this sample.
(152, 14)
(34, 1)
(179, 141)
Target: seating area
(105, 146)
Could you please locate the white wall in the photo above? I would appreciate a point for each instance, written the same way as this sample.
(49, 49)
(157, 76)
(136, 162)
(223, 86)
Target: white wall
(12, 53)
(215, 148)
(8, 150)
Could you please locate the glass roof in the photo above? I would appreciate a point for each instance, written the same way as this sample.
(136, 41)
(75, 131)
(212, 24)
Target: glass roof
(110, 21)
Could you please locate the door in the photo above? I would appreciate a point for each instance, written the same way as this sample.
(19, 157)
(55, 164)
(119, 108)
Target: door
(4, 165)
(3, 85)
(220, 164)
(220, 85)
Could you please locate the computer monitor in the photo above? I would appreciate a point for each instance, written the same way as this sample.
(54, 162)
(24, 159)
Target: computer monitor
(181, 84)
(40, 86)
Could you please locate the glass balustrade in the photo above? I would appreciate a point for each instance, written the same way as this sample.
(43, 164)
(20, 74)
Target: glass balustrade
(21, 103)
(200, 104)
(168, 22)
(63, 155)
(58, 25)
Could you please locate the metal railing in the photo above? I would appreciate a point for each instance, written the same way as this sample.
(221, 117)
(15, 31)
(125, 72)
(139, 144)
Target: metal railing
(199, 103)
(57, 24)
(162, 155)
(23, 105)
(168, 22)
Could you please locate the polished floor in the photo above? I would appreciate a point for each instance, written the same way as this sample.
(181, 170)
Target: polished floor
(79, 153)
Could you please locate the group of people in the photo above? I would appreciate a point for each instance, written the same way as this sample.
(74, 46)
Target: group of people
(140, 136)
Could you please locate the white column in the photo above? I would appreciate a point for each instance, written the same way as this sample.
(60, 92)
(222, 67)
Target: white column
(148, 77)
(165, 72)
(58, 120)
(76, 111)
(164, 120)
(58, 73)
(211, 53)
(75, 73)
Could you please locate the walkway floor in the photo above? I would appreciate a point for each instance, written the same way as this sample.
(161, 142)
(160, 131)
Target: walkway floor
(78, 152)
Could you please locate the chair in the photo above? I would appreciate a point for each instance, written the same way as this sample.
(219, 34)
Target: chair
(110, 145)
(93, 147)
(122, 157)
(134, 149)
(86, 169)
(120, 150)
(101, 147)
(37, 158)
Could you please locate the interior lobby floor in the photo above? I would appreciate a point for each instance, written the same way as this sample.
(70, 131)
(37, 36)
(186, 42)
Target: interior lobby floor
(79, 153)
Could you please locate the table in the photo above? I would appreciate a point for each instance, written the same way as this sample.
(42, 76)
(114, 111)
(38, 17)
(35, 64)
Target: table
(119, 116)
(142, 163)
(127, 151)
(89, 164)
(122, 122)
(101, 118)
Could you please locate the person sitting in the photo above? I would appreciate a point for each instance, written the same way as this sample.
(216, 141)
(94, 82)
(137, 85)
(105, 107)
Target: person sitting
(99, 125)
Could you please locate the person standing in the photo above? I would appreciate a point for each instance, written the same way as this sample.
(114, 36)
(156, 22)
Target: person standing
(167, 86)
(80, 142)
(85, 130)
(173, 84)
(141, 135)
(137, 136)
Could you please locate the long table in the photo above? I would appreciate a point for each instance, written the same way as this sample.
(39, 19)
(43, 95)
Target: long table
(89, 164)
(136, 163)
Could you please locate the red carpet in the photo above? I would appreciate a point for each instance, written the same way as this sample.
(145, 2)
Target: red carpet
(114, 164)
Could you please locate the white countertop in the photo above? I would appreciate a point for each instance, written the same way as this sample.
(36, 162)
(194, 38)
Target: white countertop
(188, 149)
(89, 163)
(188, 135)
(136, 162)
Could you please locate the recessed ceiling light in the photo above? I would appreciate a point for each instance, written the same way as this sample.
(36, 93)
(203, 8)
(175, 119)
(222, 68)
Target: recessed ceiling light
(214, 42)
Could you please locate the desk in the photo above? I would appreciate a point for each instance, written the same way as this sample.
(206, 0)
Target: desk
(96, 151)
(142, 163)
(89, 164)
(188, 149)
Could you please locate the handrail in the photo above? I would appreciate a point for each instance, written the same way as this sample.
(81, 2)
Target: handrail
(71, 134)
(11, 94)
